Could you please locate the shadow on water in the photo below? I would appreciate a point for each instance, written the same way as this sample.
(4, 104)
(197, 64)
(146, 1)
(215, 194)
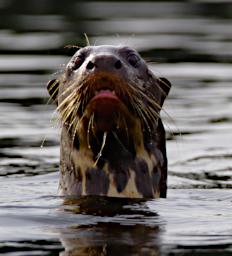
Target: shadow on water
(127, 227)
(111, 226)
(97, 226)
(119, 230)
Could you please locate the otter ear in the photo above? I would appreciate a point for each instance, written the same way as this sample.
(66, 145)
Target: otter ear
(165, 87)
(53, 89)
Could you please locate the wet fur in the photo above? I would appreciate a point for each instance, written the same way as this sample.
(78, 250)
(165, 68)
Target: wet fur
(128, 160)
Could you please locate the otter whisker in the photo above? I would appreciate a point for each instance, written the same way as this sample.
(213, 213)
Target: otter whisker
(69, 88)
(84, 101)
(69, 106)
(137, 103)
(173, 122)
(142, 116)
(51, 86)
(75, 88)
(43, 141)
(102, 147)
(93, 128)
(149, 114)
(119, 141)
(73, 119)
(81, 97)
(54, 116)
(87, 39)
(53, 92)
(140, 93)
(65, 114)
(150, 99)
(67, 99)
(153, 103)
(59, 108)
(165, 83)
(74, 116)
(55, 119)
(88, 131)
(65, 119)
(124, 116)
(126, 128)
(65, 104)
(152, 113)
(148, 111)
(76, 128)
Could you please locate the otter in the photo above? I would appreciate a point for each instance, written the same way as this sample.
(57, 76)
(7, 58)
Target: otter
(112, 139)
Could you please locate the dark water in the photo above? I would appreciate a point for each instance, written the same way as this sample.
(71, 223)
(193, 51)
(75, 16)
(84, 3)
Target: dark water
(190, 43)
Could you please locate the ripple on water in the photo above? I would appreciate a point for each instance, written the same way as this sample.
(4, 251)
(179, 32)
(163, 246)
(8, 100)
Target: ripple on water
(194, 219)
(190, 43)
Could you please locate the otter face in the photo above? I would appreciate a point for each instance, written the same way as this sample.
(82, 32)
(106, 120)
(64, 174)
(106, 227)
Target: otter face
(109, 103)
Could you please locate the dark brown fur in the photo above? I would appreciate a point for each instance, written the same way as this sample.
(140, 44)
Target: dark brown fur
(113, 140)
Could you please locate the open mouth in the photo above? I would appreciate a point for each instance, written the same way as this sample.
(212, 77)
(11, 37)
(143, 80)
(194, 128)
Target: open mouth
(105, 91)
(107, 101)
(104, 102)
(107, 106)
(105, 94)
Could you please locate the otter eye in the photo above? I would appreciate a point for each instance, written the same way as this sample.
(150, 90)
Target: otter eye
(74, 64)
(134, 60)
(77, 62)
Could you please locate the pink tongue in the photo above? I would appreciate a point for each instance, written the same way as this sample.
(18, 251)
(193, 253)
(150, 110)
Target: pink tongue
(105, 94)
(105, 104)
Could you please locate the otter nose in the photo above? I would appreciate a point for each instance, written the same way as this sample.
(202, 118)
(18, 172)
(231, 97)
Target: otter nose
(104, 62)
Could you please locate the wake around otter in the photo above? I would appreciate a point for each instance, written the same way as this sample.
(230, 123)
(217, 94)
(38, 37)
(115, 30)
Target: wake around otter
(112, 140)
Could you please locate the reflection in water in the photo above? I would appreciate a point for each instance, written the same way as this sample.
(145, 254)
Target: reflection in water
(187, 41)
(120, 232)
(111, 239)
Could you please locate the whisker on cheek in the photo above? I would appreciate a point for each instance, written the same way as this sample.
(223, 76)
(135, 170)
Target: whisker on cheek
(102, 147)
(75, 128)
(90, 125)
(66, 112)
(113, 139)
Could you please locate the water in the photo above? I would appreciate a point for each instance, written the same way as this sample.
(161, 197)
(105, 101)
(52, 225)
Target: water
(190, 43)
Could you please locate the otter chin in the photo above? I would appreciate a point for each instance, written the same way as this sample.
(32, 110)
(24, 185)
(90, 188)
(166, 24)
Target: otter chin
(112, 140)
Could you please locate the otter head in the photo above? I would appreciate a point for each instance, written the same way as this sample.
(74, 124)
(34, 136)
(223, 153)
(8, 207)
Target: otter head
(113, 141)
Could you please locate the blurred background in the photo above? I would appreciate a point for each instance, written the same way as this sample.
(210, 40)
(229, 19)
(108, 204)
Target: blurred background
(188, 42)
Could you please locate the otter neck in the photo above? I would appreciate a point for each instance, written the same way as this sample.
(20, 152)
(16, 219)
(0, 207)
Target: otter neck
(117, 148)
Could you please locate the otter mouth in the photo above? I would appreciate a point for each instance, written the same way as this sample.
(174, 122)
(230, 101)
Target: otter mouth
(106, 105)
(105, 94)
(103, 87)
(107, 115)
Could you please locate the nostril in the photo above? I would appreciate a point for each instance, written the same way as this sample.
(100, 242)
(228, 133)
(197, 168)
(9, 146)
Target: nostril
(118, 64)
(90, 65)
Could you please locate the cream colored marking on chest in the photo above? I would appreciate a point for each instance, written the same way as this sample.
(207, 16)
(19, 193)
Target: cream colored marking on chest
(82, 160)
(141, 152)
(129, 191)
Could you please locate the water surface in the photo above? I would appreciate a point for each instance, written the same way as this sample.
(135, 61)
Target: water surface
(190, 43)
